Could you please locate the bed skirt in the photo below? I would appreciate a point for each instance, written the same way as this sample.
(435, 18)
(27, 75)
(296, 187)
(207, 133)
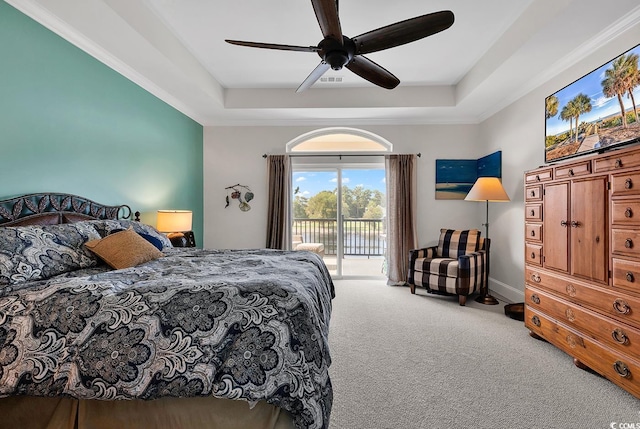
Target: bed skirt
(164, 413)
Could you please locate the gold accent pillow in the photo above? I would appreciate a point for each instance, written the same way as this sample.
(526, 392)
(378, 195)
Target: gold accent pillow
(124, 249)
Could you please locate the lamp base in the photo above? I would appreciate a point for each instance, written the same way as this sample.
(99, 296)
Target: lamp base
(487, 300)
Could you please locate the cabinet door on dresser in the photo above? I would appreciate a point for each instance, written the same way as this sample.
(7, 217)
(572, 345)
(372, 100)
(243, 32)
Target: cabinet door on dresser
(589, 229)
(575, 228)
(555, 226)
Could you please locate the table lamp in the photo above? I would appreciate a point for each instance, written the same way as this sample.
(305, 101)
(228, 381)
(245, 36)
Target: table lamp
(177, 225)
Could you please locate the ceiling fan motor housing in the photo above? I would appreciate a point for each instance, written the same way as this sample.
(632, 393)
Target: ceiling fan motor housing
(337, 54)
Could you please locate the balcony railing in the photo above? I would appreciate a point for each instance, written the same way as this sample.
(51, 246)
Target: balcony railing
(364, 237)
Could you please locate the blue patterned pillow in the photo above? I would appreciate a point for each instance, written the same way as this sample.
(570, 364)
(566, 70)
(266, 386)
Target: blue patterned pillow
(106, 227)
(39, 252)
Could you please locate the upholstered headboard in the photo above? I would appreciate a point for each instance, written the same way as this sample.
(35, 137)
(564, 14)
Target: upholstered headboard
(53, 208)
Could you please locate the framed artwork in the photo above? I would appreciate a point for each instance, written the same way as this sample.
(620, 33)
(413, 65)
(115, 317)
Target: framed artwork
(455, 177)
(490, 165)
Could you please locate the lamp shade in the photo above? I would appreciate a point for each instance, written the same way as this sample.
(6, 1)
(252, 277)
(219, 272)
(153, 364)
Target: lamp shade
(487, 189)
(174, 220)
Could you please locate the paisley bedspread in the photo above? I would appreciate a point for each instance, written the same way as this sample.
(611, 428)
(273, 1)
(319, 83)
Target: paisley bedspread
(239, 324)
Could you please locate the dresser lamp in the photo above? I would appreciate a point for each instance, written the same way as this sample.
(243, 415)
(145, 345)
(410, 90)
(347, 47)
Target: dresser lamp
(487, 189)
(177, 225)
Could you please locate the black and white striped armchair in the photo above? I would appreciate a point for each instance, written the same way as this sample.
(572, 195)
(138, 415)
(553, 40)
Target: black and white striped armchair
(456, 266)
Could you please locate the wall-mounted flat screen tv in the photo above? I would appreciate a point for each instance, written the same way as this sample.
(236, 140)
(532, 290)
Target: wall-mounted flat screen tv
(597, 112)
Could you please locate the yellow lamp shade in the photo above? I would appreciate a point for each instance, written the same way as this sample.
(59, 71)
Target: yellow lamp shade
(174, 220)
(487, 189)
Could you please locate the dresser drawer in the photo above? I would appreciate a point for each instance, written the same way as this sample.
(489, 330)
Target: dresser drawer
(573, 170)
(625, 242)
(625, 212)
(626, 275)
(625, 184)
(533, 254)
(533, 212)
(617, 162)
(533, 232)
(616, 367)
(538, 176)
(619, 305)
(614, 334)
(533, 193)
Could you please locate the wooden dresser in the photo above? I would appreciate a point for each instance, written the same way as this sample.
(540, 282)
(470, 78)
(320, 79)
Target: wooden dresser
(582, 261)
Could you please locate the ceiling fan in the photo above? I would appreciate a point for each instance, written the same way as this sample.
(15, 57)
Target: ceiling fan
(338, 50)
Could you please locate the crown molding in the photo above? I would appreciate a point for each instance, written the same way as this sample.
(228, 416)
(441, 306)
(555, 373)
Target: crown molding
(613, 31)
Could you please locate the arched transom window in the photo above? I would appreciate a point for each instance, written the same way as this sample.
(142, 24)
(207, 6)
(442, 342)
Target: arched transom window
(341, 140)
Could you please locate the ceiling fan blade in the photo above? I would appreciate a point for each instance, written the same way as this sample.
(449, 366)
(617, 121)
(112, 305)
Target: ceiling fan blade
(403, 32)
(327, 15)
(274, 46)
(374, 73)
(314, 76)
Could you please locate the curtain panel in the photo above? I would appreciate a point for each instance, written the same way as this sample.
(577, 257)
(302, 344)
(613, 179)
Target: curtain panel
(401, 215)
(279, 208)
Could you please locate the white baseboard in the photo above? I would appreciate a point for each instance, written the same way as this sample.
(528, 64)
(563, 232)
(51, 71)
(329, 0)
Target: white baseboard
(510, 293)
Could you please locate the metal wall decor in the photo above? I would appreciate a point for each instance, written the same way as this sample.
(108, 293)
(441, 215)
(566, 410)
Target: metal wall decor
(235, 192)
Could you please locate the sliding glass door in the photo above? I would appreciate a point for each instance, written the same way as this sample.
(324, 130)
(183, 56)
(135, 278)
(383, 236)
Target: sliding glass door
(340, 209)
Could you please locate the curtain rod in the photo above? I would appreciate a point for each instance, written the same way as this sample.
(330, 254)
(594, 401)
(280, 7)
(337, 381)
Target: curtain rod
(339, 155)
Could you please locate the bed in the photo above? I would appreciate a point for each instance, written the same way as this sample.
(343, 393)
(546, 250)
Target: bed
(186, 338)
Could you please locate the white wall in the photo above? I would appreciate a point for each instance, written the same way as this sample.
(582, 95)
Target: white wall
(234, 155)
(518, 130)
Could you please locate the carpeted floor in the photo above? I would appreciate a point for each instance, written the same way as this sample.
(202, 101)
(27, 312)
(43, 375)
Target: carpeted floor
(422, 361)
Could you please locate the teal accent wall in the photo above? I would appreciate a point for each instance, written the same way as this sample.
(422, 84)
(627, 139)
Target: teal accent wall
(68, 123)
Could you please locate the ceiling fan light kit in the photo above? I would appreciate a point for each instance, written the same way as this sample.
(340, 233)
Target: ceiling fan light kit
(338, 51)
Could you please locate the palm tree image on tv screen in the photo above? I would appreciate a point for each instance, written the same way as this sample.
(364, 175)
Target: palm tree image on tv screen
(596, 112)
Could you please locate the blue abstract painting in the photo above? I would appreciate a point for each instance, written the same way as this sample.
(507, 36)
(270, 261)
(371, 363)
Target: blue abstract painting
(490, 165)
(455, 177)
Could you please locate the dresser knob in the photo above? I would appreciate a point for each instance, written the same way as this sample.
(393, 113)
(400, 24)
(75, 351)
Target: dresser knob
(628, 184)
(618, 163)
(536, 321)
(537, 177)
(563, 223)
(622, 369)
(533, 194)
(621, 306)
(532, 213)
(628, 243)
(630, 277)
(535, 298)
(571, 172)
(571, 290)
(628, 212)
(620, 337)
(533, 233)
(533, 255)
(535, 278)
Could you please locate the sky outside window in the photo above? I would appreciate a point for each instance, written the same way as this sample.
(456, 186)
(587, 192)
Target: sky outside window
(309, 183)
